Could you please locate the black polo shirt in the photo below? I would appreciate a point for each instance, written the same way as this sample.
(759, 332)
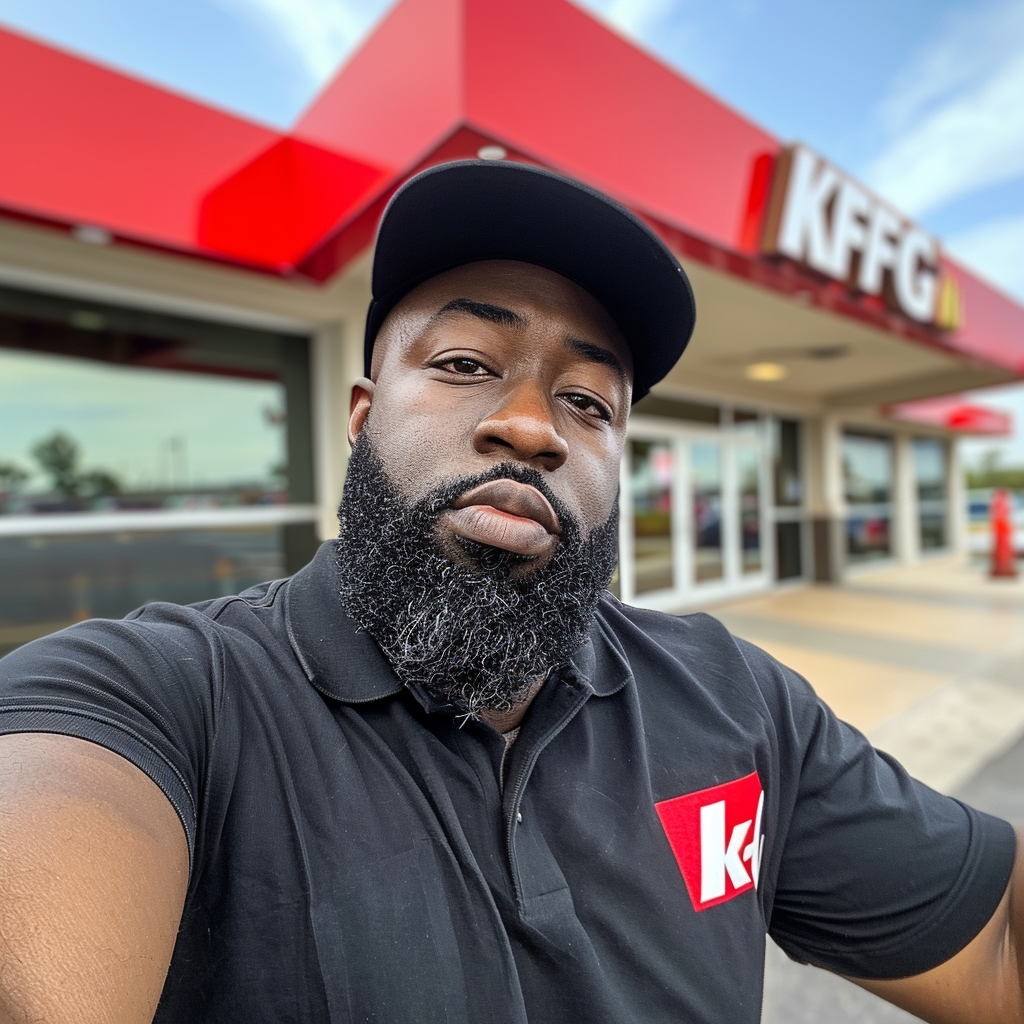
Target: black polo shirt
(359, 853)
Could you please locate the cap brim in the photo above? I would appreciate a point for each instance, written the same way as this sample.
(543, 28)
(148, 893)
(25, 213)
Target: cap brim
(473, 210)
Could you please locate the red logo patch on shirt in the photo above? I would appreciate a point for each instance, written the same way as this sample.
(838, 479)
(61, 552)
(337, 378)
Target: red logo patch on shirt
(716, 837)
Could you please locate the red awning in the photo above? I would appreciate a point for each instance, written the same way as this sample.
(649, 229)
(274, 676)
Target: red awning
(952, 412)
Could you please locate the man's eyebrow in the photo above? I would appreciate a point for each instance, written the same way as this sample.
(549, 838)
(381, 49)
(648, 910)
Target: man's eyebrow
(596, 354)
(483, 311)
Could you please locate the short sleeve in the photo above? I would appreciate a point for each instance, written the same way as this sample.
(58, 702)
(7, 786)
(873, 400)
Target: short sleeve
(878, 876)
(142, 687)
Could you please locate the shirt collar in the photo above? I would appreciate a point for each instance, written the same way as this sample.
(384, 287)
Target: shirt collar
(344, 663)
(341, 661)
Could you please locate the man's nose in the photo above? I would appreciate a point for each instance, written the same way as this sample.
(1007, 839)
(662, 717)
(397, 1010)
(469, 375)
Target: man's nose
(523, 427)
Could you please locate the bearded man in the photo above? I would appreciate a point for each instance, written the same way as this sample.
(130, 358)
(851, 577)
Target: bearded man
(441, 774)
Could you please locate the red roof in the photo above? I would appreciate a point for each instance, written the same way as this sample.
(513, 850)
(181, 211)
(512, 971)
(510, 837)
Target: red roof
(436, 80)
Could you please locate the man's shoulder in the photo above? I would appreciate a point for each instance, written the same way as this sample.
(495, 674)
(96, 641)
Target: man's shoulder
(701, 647)
(162, 636)
(640, 625)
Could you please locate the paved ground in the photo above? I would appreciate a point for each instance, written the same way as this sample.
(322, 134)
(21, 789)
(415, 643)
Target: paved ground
(929, 662)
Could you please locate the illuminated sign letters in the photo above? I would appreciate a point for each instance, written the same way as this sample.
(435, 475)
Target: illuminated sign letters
(819, 217)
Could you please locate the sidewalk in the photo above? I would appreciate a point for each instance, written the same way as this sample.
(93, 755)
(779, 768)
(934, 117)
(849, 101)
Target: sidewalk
(928, 660)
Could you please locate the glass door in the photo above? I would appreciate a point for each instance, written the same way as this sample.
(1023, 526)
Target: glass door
(706, 503)
(749, 473)
(651, 485)
(694, 509)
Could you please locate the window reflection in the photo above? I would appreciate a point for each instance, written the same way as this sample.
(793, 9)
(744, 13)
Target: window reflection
(706, 471)
(49, 582)
(653, 465)
(930, 460)
(77, 435)
(867, 475)
(748, 466)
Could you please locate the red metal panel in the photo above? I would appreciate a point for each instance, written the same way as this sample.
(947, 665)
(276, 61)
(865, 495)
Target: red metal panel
(89, 145)
(274, 209)
(399, 94)
(993, 324)
(555, 83)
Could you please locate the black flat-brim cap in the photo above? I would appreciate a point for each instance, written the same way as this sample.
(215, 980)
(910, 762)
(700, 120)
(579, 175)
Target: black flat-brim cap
(472, 210)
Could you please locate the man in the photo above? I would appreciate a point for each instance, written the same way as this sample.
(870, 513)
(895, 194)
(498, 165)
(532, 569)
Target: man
(441, 774)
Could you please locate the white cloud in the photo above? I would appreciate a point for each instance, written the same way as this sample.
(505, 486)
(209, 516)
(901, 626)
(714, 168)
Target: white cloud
(319, 33)
(996, 250)
(955, 114)
(638, 19)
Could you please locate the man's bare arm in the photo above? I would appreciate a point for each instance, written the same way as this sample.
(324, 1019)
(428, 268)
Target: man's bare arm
(984, 982)
(93, 873)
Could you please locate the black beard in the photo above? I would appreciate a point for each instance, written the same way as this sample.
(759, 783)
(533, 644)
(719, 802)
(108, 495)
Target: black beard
(477, 636)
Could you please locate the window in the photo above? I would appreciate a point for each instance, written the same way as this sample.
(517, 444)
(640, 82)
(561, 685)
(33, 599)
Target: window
(867, 476)
(706, 471)
(183, 449)
(653, 468)
(748, 465)
(930, 477)
(48, 582)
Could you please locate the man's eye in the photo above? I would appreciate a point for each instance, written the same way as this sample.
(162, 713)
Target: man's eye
(589, 405)
(466, 367)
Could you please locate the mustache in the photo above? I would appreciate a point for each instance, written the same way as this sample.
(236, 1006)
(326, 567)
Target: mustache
(442, 497)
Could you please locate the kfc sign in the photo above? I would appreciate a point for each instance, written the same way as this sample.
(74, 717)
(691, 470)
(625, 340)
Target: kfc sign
(819, 217)
(716, 837)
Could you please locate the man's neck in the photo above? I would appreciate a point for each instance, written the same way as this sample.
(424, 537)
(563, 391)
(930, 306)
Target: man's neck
(505, 721)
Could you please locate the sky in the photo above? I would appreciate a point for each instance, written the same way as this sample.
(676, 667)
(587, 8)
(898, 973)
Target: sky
(923, 100)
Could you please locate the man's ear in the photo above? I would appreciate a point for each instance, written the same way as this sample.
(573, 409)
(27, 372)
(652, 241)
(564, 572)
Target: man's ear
(359, 407)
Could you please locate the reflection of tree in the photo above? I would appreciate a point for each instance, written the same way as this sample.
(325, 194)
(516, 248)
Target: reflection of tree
(12, 476)
(58, 456)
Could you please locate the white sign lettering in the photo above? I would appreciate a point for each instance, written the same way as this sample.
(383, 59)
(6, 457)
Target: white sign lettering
(821, 218)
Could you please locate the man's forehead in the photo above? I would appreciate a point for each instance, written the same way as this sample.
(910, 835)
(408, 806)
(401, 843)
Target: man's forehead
(510, 293)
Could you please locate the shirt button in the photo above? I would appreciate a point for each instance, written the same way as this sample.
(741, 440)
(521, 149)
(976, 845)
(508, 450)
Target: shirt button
(519, 817)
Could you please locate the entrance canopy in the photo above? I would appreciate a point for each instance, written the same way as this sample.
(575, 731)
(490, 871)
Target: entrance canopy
(114, 159)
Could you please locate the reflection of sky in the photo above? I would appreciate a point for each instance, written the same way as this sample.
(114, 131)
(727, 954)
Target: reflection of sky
(929, 462)
(706, 467)
(151, 428)
(867, 467)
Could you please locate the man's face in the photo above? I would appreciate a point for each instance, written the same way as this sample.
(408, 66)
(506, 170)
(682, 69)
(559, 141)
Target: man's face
(500, 362)
(478, 524)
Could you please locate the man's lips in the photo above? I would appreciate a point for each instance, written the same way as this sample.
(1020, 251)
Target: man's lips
(508, 515)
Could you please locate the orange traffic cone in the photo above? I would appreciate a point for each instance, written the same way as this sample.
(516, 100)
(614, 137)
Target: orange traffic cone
(1004, 562)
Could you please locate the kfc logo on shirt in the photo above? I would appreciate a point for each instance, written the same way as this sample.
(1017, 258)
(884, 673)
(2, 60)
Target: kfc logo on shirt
(716, 837)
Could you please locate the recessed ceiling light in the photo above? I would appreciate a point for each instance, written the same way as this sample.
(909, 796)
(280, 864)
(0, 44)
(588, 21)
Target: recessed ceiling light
(766, 371)
(492, 152)
(92, 235)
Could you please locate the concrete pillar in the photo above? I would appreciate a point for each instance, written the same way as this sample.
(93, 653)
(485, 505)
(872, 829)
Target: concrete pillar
(825, 497)
(906, 534)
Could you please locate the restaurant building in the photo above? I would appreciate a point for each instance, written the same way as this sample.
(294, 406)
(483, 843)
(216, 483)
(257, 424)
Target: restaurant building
(183, 291)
